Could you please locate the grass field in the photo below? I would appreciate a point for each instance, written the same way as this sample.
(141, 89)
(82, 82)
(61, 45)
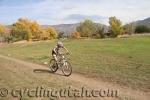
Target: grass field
(125, 61)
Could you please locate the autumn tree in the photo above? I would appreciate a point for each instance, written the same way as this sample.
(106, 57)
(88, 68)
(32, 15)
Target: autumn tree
(75, 35)
(4, 33)
(115, 26)
(21, 30)
(35, 29)
(52, 33)
(48, 33)
(86, 28)
(3, 30)
(43, 35)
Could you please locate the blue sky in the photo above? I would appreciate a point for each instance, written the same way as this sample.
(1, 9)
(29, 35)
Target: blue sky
(73, 11)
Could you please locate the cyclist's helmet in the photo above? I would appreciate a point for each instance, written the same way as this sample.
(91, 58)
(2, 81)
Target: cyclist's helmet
(60, 44)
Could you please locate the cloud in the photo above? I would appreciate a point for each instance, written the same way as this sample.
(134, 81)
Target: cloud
(79, 17)
(70, 11)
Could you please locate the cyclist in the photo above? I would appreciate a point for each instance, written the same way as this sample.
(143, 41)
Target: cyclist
(55, 50)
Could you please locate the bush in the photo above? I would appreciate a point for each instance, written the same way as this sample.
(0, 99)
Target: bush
(75, 35)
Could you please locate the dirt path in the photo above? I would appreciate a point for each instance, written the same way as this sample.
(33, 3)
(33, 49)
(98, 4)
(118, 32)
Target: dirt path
(124, 93)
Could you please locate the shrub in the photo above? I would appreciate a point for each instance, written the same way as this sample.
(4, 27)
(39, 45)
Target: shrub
(75, 35)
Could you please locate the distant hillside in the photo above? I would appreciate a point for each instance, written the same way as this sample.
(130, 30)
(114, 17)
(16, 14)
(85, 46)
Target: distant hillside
(68, 28)
(143, 22)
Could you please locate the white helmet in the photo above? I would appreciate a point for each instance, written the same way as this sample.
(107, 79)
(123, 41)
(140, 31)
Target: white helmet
(60, 44)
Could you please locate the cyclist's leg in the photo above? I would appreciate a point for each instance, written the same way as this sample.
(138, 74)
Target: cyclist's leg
(54, 56)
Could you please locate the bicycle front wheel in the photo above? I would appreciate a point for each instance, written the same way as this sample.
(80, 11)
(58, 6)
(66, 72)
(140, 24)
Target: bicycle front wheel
(67, 68)
(53, 66)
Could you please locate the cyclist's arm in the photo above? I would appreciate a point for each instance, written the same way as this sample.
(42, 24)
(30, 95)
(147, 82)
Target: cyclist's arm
(66, 49)
(54, 50)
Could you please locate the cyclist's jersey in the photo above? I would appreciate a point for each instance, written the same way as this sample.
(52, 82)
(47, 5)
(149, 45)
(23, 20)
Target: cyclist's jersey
(56, 50)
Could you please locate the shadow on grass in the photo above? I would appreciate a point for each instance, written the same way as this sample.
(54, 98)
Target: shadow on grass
(45, 71)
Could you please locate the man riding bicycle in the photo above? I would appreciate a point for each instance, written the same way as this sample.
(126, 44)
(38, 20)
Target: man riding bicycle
(55, 50)
(62, 62)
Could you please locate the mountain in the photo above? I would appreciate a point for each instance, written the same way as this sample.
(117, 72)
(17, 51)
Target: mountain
(68, 28)
(143, 22)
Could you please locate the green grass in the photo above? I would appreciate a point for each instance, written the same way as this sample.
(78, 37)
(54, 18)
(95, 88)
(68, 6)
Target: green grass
(122, 60)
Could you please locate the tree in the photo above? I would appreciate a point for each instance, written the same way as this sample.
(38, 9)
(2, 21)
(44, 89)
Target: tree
(35, 30)
(129, 28)
(86, 28)
(21, 30)
(48, 33)
(28, 35)
(25, 29)
(100, 32)
(3, 33)
(115, 26)
(75, 35)
(2, 29)
(142, 29)
(52, 33)
(60, 35)
(43, 35)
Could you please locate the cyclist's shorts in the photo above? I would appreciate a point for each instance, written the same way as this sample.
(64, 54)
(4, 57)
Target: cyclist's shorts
(54, 55)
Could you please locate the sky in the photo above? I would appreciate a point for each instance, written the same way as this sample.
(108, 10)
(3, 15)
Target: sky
(54, 12)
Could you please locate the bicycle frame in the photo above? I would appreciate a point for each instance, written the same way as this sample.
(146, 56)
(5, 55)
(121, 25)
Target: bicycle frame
(63, 64)
(62, 59)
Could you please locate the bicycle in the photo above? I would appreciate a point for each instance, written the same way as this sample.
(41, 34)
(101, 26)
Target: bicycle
(62, 63)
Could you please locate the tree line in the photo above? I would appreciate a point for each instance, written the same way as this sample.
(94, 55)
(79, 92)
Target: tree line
(26, 29)
(88, 28)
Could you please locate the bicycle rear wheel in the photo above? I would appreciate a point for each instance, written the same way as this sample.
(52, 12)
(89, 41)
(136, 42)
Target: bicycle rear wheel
(53, 66)
(67, 68)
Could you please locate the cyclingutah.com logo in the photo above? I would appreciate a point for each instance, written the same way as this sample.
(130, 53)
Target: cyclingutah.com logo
(69, 92)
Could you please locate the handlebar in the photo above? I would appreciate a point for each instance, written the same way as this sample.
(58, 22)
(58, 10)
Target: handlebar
(64, 53)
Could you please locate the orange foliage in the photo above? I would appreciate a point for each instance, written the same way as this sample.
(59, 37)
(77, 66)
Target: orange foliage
(75, 35)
